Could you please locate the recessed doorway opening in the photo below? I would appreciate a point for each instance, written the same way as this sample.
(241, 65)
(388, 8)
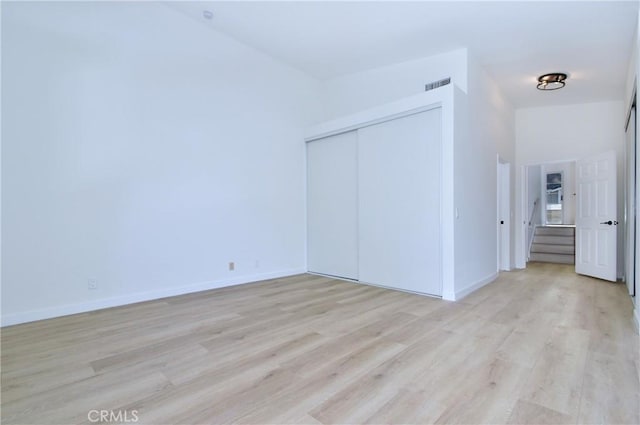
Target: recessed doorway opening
(554, 198)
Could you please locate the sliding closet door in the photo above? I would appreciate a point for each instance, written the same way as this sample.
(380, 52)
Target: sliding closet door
(399, 203)
(332, 214)
(631, 205)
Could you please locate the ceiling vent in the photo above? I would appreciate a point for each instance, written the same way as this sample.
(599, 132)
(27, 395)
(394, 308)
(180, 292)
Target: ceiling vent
(437, 84)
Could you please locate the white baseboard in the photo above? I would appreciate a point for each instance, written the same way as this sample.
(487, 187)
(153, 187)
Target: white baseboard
(475, 286)
(636, 318)
(448, 295)
(65, 310)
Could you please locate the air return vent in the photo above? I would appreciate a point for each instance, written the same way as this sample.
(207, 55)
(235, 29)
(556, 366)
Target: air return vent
(437, 84)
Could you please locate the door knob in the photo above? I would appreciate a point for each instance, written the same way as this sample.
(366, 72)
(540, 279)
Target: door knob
(614, 222)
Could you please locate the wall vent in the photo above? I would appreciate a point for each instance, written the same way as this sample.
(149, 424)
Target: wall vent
(437, 84)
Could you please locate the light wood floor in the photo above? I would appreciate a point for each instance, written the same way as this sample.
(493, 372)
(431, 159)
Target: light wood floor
(537, 346)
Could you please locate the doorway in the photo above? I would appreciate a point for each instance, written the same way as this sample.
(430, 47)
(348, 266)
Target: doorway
(558, 193)
(549, 211)
(554, 197)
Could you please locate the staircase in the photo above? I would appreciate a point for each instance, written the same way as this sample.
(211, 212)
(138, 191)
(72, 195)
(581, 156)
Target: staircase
(554, 244)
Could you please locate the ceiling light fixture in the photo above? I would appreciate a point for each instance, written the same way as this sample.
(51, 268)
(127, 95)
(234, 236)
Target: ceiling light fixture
(207, 14)
(552, 81)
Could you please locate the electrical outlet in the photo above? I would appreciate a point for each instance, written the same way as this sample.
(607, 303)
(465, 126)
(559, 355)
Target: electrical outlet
(256, 264)
(92, 283)
(232, 266)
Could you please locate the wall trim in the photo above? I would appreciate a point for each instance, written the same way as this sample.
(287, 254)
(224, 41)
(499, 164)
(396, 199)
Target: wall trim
(407, 106)
(362, 282)
(636, 319)
(448, 295)
(475, 286)
(66, 310)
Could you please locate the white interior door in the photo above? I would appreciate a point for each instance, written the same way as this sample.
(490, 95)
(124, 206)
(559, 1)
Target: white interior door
(399, 203)
(332, 206)
(504, 216)
(596, 217)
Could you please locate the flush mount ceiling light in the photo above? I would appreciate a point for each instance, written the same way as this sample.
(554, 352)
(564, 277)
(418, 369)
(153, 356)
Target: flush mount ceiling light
(552, 81)
(207, 14)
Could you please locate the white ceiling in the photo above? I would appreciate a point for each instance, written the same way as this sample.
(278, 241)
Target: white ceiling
(515, 41)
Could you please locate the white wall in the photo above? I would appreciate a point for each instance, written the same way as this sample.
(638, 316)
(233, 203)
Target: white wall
(145, 150)
(490, 134)
(633, 76)
(352, 93)
(571, 132)
(1, 132)
(534, 193)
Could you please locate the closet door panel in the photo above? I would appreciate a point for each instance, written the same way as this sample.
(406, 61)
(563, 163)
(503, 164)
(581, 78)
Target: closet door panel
(332, 219)
(399, 203)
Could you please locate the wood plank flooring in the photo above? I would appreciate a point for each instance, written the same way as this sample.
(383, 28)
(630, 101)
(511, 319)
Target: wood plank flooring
(542, 345)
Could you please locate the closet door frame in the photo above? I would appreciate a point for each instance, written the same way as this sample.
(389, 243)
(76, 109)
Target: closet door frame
(443, 98)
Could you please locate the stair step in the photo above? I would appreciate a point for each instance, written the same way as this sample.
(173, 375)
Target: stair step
(553, 248)
(553, 240)
(552, 258)
(555, 231)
